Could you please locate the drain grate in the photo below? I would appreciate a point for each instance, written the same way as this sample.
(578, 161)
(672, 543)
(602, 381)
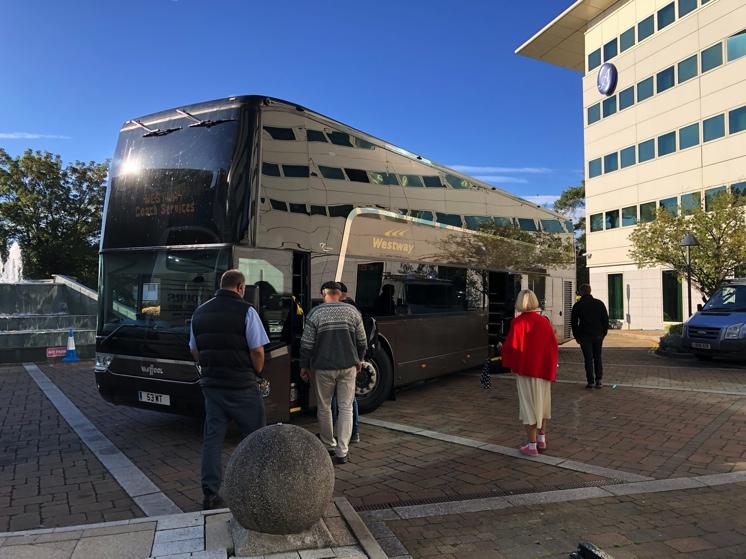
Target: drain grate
(487, 494)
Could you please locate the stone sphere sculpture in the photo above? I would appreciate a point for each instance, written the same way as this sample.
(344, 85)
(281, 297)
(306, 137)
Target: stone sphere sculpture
(279, 480)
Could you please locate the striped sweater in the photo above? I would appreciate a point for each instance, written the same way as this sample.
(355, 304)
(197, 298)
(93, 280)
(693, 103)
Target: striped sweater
(333, 337)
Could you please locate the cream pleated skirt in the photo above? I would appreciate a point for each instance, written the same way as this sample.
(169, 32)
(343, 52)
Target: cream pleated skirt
(534, 400)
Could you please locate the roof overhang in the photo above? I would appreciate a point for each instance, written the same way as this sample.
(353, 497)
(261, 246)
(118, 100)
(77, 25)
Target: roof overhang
(562, 41)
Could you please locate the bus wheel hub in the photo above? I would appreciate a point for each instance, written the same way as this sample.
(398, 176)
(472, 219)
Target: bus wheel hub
(366, 379)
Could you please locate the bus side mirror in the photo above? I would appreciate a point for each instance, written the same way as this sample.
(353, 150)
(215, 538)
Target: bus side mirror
(251, 295)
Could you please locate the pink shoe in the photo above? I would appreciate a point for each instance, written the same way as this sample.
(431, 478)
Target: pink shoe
(528, 451)
(541, 442)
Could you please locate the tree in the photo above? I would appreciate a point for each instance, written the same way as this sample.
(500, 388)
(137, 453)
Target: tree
(721, 232)
(571, 204)
(54, 212)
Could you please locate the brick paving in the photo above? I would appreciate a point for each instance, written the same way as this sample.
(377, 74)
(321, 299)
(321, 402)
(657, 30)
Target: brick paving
(697, 523)
(48, 478)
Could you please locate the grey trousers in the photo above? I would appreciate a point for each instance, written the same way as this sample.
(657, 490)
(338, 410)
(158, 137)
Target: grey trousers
(246, 407)
(341, 381)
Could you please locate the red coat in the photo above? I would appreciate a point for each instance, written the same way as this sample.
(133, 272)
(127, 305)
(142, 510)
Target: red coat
(531, 347)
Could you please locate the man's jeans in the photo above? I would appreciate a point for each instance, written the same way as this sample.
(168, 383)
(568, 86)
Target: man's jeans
(246, 407)
(355, 419)
(343, 382)
(591, 348)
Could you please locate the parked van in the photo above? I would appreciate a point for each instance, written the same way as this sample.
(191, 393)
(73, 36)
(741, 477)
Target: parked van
(719, 327)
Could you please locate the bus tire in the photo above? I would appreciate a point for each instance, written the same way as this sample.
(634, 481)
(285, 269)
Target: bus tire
(374, 382)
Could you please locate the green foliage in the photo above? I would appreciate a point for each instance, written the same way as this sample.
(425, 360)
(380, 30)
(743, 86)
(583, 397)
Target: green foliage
(571, 203)
(721, 233)
(677, 329)
(54, 212)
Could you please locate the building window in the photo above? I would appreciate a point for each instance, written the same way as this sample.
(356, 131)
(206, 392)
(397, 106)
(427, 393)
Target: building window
(670, 205)
(627, 39)
(457, 182)
(737, 120)
(357, 175)
(627, 156)
(626, 98)
(610, 50)
(665, 80)
(597, 222)
(297, 171)
(689, 136)
(666, 144)
(647, 212)
(594, 113)
(552, 226)
(686, 6)
(433, 182)
(645, 89)
(616, 296)
(611, 162)
(298, 208)
(612, 219)
(503, 221)
(383, 178)
(712, 57)
(422, 214)
(363, 144)
(671, 297)
(645, 28)
(278, 205)
(739, 191)
(594, 168)
(476, 222)
(342, 210)
(411, 180)
(687, 68)
(527, 224)
(629, 216)
(280, 133)
(340, 139)
(737, 46)
(318, 210)
(270, 169)
(331, 173)
(666, 16)
(711, 194)
(609, 106)
(594, 59)
(315, 136)
(646, 151)
(448, 219)
(713, 128)
(690, 202)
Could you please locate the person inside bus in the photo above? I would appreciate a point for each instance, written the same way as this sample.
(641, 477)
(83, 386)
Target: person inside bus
(530, 351)
(332, 349)
(227, 340)
(355, 437)
(385, 304)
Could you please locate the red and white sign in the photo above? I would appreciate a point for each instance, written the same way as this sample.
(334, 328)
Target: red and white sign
(56, 352)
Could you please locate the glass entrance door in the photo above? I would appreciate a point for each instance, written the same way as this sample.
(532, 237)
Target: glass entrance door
(616, 296)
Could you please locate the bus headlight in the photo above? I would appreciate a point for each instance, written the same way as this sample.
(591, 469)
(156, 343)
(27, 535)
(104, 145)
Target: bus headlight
(103, 360)
(734, 332)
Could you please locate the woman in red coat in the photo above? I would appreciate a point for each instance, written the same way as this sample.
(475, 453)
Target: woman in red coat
(530, 351)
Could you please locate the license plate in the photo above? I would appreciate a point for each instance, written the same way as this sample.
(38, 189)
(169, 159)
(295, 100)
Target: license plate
(698, 345)
(153, 398)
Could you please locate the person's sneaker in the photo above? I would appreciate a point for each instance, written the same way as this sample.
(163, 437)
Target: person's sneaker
(599, 384)
(340, 460)
(589, 385)
(212, 501)
(528, 451)
(355, 438)
(541, 443)
(330, 449)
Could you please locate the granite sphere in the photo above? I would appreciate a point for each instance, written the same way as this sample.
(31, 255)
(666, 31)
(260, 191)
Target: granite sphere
(279, 480)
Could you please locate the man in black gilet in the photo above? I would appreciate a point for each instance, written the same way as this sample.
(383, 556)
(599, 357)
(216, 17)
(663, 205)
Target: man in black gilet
(227, 339)
(590, 324)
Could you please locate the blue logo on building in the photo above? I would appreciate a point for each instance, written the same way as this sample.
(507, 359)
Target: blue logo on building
(607, 77)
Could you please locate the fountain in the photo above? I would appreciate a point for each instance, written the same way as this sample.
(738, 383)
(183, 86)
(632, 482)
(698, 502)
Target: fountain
(35, 315)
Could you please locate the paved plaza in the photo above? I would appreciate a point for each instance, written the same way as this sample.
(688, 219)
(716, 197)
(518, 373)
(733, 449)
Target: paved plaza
(652, 465)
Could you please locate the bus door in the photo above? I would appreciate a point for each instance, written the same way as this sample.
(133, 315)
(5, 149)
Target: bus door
(503, 288)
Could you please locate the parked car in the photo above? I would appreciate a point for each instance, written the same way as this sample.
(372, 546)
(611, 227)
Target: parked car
(719, 327)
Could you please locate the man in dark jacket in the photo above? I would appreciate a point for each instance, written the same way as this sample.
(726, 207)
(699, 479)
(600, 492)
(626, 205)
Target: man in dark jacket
(333, 347)
(590, 324)
(227, 339)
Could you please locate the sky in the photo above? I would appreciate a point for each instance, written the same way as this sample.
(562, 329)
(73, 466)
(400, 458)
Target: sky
(437, 77)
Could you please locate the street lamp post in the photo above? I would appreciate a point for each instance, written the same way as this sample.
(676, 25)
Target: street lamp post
(689, 241)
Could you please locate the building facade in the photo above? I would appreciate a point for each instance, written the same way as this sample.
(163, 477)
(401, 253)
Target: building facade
(664, 115)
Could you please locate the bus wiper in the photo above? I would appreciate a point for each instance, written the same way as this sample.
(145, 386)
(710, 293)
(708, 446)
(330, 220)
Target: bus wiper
(197, 123)
(151, 132)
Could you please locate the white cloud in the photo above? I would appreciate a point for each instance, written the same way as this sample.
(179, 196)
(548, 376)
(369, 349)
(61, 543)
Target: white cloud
(31, 136)
(500, 179)
(504, 170)
(545, 200)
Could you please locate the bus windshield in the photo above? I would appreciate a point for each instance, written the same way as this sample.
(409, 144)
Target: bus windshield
(172, 189)
(157, 290)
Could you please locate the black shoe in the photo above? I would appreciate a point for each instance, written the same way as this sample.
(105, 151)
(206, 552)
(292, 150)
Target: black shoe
(589, 385)
(340, 460)
(329, 449)
(212, 501)
(599, 384)
(355, 438)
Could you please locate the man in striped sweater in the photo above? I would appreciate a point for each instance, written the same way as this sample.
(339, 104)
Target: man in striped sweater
(332, 348)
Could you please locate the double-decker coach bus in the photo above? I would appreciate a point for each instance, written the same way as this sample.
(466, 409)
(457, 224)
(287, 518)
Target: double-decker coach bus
(293, 198)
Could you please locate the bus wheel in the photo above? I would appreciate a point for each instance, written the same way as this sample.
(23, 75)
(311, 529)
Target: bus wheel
(374, 381)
